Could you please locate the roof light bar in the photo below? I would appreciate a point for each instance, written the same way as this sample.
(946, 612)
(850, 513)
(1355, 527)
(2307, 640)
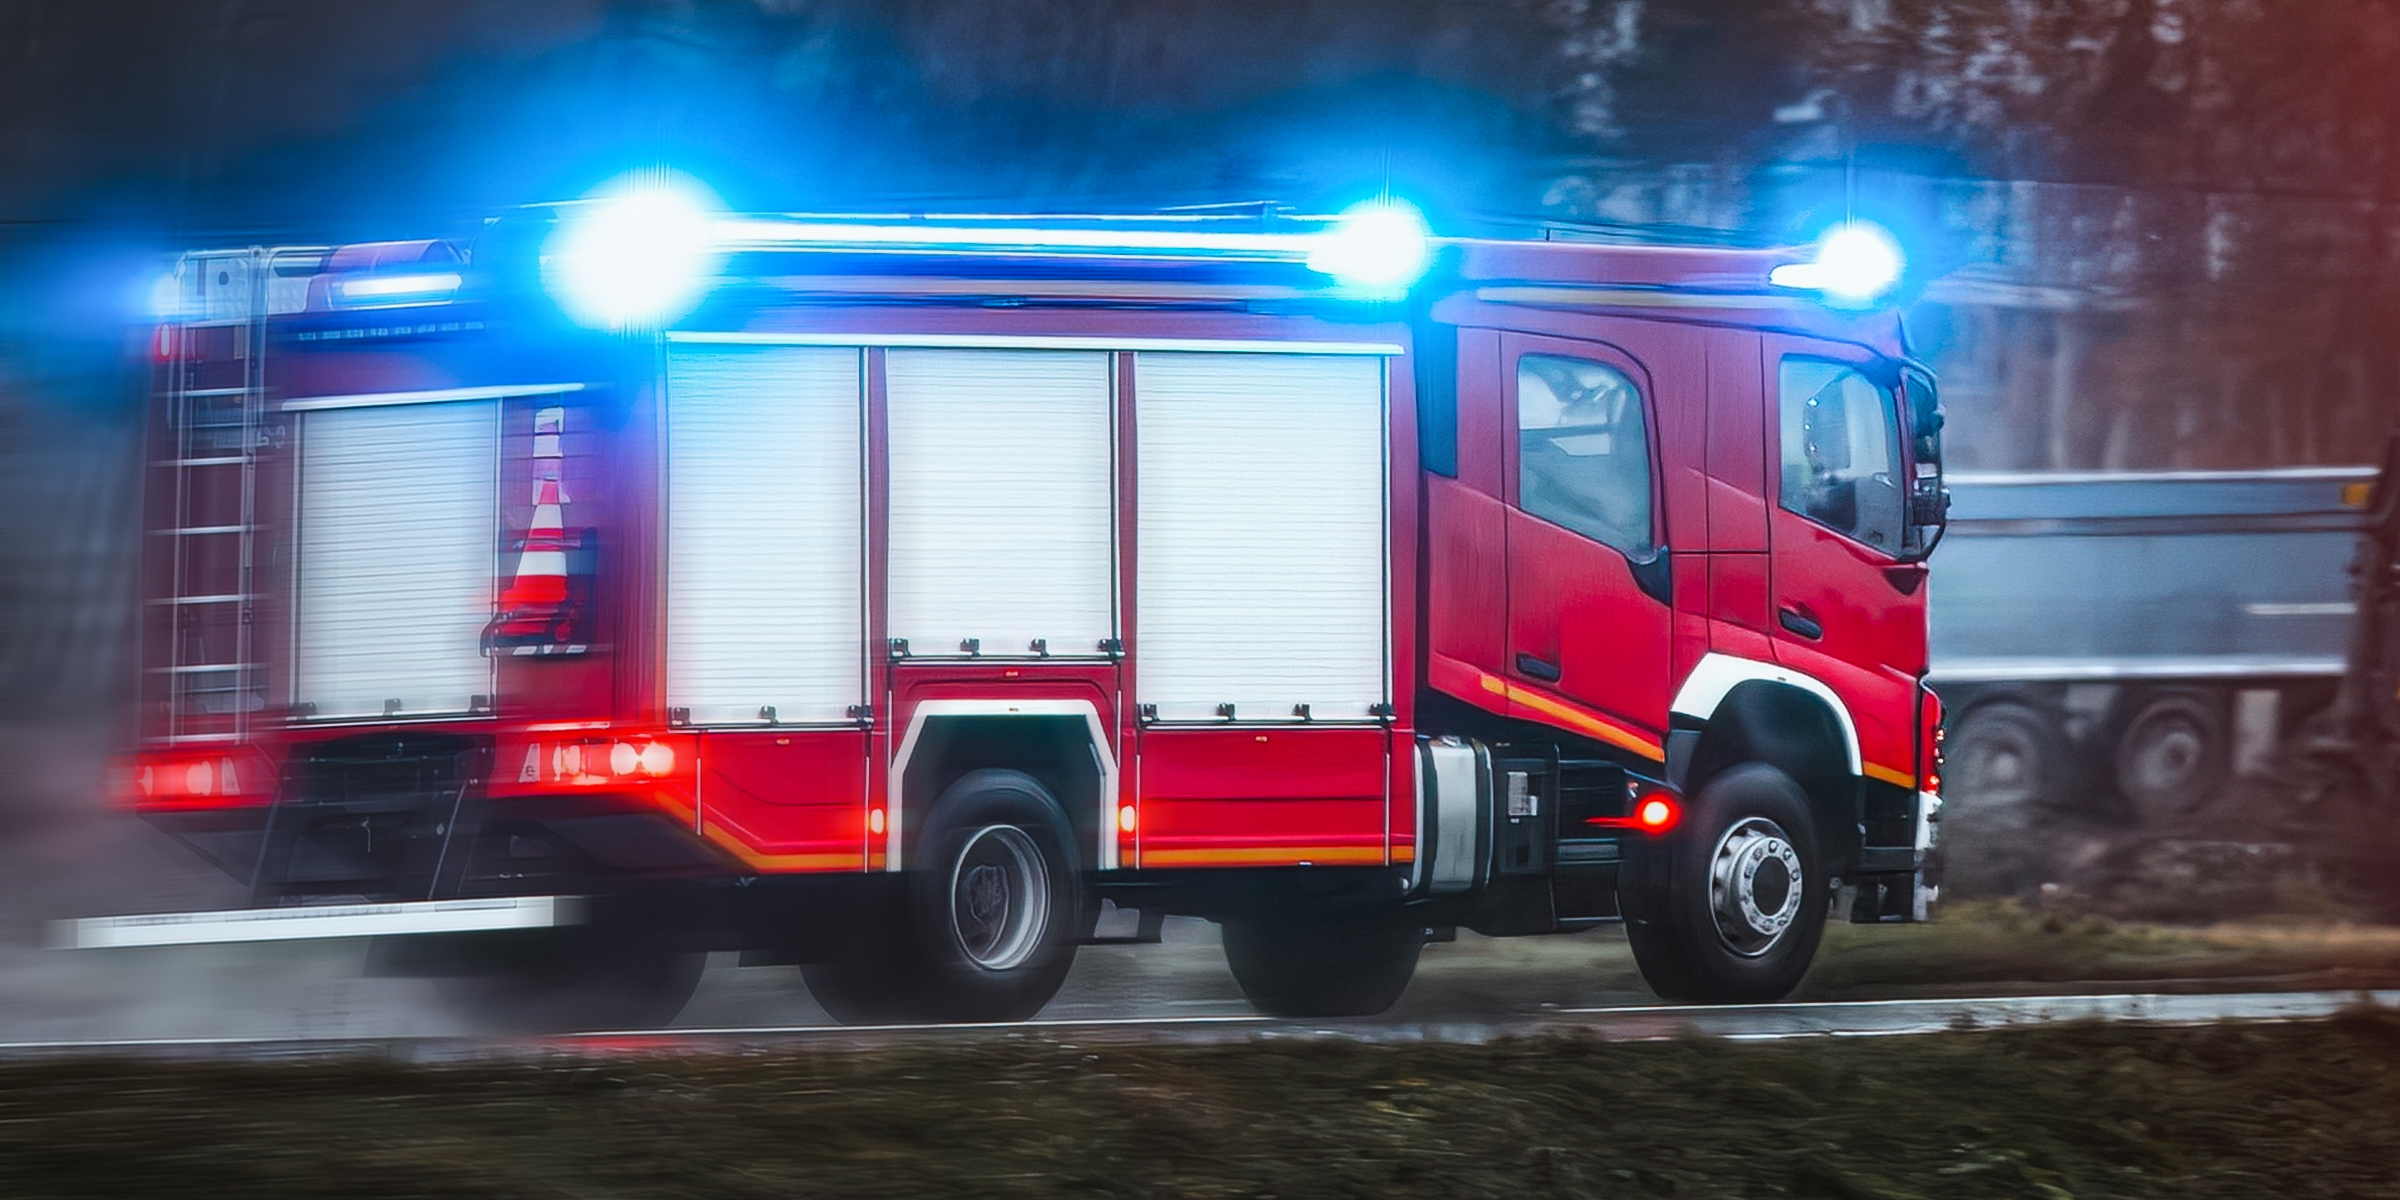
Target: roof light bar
(760, 232)
(1378, 248)
(643, 250)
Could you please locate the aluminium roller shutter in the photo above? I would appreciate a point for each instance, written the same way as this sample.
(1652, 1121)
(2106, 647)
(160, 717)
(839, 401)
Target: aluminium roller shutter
(1002, 489)
(765, 584)
(397, 557)
(1261, 538)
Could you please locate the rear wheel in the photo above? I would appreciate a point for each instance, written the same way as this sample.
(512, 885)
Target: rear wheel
(1734, 907)
(567, 980)
(2172, 756)
(1322, 967)
(989, 923)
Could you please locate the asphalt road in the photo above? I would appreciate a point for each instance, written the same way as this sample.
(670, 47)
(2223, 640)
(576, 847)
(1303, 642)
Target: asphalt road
(319, 989)
(76, 862)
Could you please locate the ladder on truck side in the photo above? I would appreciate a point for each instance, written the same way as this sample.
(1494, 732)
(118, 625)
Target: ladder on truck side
(203, 680)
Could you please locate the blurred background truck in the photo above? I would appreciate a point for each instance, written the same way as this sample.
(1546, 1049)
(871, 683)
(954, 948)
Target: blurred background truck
(2122, 645)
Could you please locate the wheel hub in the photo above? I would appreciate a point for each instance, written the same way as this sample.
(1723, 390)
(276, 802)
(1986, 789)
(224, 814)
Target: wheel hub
(999, 898)
(1754, 886)
(2168, 758)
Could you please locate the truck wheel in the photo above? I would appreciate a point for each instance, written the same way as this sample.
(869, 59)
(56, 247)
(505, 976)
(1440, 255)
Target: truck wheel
(2172, 757)
(568, 980)
(1322, 968)
(992, 914)
(1738, 900)
(2006, 757)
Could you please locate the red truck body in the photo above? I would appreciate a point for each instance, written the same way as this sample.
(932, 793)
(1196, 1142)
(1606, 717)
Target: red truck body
(1292, 602)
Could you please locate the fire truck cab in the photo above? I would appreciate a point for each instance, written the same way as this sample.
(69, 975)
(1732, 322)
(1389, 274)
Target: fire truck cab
(908, 587)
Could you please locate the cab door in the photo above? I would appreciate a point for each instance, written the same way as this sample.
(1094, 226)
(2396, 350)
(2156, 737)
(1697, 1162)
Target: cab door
(1589, 621)
(1849, 608)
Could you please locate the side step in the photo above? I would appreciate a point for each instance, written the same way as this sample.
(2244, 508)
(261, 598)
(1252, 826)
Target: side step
(302, 922)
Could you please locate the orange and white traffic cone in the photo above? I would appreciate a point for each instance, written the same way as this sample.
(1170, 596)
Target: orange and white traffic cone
(535, 600)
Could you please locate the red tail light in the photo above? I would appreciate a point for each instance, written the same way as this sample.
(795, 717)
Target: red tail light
(596, 761)
(1657, 813)
(1652, 809)
(1929, 741)
(230, 778)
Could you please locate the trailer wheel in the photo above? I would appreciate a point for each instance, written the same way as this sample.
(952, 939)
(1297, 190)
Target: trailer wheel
(1737, 900)
(1322, 968)
(567, 980)
(2172, 756)
(2006, 757)
(990, 919)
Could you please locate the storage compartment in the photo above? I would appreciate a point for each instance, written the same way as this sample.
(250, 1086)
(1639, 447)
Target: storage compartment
(1002, 502)
(398, 551)
(1262, 537)
(765, 600)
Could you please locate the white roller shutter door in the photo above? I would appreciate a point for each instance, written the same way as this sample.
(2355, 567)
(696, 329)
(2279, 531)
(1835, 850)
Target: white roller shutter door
(1002, 476)
(765, 585)
(397, 558)
(1261, 552)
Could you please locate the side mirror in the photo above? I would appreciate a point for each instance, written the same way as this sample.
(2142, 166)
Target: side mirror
(1929, 504)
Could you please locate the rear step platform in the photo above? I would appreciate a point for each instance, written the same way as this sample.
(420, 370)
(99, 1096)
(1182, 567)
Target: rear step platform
(302, 922)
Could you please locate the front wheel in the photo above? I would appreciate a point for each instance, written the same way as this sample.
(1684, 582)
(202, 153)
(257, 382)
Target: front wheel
(1293, 967)
(1730, 908)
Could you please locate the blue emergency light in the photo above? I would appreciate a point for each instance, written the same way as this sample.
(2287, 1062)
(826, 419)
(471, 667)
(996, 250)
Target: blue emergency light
(638, 255)
(1857, 262)
(1379, 247)
(396, 291)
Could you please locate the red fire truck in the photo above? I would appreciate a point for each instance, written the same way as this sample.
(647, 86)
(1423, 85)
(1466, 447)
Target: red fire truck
(884, 594)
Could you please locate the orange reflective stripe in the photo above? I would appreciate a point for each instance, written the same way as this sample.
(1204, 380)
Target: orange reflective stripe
(1254, 856)
(1890, 776)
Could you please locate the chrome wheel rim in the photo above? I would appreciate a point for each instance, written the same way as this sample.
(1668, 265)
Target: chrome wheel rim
(1754, 886)
(999, 898)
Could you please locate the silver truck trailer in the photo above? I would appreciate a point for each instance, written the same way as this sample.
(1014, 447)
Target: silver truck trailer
(2125, 643)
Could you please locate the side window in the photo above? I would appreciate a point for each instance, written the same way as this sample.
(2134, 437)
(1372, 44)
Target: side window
(1841, 451)
(1583, 450)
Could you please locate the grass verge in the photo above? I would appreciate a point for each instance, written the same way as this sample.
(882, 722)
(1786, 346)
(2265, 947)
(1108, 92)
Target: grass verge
(2285, 1110)
(1980, 946)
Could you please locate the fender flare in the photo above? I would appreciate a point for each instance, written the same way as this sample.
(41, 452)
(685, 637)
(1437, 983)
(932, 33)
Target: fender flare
(1718, 674)
(1104, 854)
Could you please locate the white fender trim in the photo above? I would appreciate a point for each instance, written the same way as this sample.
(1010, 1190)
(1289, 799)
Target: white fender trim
(1106, 851)
(1705, 688)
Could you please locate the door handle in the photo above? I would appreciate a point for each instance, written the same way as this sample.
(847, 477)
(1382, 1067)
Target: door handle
(1800, 623)
(1535, 668)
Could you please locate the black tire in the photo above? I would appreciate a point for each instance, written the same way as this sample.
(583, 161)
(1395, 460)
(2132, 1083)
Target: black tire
(1696, 941)
(989, 923)
(1323, 967)
(568, 980)
(2172, 756)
